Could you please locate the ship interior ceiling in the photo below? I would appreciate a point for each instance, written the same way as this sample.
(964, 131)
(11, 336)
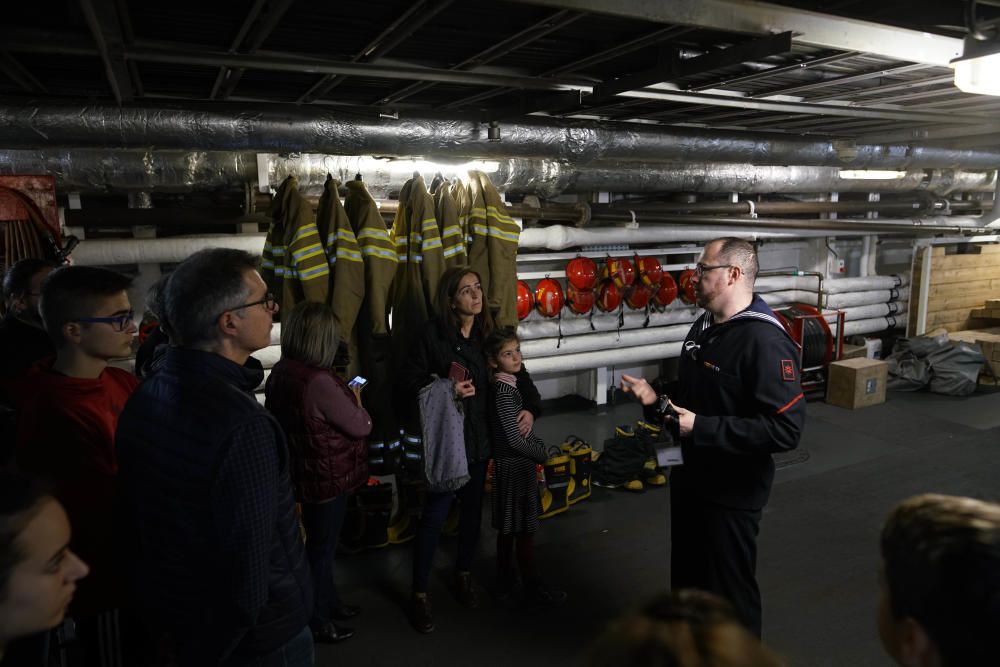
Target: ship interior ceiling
(832, 134)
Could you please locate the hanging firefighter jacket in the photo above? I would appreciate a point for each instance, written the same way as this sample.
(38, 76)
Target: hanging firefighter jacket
(452, 241)
(430, 250)
(479, 257)
(372, 331)
(501, 235)
(347, 270)
(464, 205)
(378, 251)
(294, 258)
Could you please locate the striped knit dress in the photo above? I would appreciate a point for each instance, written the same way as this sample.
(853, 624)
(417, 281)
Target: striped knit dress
(516, 502)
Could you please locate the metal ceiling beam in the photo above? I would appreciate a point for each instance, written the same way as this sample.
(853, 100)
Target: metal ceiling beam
(241, 34)
(412, 20)
(555, 22)
(887, 88)
(105, 26)
(52, 42)
(813, 28)
(675, 69)
(840, 80)
(651, 39)
(16, 72)
(932, 133)
(129, 36)
(262, 29)
(777, 71)
(281, 62)
(803, 107)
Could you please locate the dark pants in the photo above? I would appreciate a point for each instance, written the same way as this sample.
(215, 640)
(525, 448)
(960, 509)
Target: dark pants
(298, 652)
(322, 522)
(435, 512)
(714, 549)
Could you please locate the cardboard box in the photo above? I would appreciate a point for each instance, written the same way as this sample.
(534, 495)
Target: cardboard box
(856, 383)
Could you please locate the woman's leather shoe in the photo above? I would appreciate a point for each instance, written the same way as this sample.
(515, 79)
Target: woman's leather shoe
(332, 634)
(421, 617)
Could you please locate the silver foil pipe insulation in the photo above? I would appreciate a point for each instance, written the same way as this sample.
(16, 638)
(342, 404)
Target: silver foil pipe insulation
(301, 129)
(96, 170)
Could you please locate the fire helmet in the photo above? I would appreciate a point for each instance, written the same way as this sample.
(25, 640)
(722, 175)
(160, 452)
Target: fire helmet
(688, 295)
(609, 297)
(549, 297)
(581, 273)
(580, 301)
(639, 296)
(525, 300)
(619, 270)
(649, 270)
(667, 291)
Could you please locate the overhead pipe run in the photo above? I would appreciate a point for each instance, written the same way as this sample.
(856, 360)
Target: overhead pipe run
(303, 129)
(101, 170)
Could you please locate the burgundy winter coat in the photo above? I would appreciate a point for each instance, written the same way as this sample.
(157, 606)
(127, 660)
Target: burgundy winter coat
(325, 427)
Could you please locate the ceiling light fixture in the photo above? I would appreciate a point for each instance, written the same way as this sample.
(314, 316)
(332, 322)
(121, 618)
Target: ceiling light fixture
(871, 174)
(978, 70)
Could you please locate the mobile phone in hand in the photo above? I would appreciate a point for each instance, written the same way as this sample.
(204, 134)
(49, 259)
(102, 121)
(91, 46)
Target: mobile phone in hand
(357, 381)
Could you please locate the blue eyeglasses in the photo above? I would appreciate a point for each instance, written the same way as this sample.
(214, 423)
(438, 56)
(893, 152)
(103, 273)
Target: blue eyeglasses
(117, 322)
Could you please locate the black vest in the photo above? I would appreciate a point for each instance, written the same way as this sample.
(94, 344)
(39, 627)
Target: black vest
(173, 436)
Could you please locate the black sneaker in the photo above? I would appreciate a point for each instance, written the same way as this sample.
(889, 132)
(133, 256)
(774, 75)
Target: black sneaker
(421, 616)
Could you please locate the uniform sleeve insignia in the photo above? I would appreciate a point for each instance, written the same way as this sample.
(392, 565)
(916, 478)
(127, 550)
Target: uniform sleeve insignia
(787, 370)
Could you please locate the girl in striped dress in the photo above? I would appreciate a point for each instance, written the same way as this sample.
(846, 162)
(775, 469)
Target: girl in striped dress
(516, 501)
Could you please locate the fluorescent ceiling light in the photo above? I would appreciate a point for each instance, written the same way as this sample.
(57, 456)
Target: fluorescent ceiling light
(871, 174)
(978, 70)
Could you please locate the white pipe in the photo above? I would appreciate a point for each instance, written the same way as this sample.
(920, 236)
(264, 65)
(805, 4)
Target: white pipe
(534, 329)
(268, 356)
(873, 325)
(111, 252)
(925, 289)
(560, 237)
(624, 357)
(547, 347)
(784, 297)
(838, 285)
(849, 299)
(874, 310)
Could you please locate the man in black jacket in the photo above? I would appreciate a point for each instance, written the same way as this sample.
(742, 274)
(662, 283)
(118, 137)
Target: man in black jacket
(738, 400)
(208, 516)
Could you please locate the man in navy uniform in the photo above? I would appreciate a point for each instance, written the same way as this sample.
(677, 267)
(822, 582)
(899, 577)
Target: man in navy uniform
(738, 400)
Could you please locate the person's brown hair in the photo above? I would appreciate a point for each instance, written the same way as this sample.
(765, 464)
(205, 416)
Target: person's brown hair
(309, 334)
(447, 289)
(686, 628)
(21, 497)
(739, 252)
(941, 559)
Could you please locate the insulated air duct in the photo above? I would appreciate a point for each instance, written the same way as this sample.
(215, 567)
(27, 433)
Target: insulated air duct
(301, 129)
(98, 170)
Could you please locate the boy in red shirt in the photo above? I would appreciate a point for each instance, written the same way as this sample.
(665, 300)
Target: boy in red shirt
(68, 408)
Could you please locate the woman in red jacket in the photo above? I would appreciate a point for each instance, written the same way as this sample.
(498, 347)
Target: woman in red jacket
(326, 429)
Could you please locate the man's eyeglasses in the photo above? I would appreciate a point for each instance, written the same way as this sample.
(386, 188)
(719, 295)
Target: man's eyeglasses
(700, 269)
(117, 322)
(269, 302)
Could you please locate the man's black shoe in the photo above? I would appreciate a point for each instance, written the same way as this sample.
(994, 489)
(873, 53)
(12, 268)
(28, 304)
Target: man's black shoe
(345, 612)
(332, 634)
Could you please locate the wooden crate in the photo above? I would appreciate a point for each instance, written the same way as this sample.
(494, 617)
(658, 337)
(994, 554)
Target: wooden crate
(987, 339)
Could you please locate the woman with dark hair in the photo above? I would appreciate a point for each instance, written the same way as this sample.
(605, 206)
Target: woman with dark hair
(451, 345)
(38, 572)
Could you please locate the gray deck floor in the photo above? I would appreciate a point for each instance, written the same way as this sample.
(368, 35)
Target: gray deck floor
(818, 545)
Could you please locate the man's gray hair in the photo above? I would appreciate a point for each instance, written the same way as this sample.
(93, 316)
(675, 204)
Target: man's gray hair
(200, 289)
(741, 253)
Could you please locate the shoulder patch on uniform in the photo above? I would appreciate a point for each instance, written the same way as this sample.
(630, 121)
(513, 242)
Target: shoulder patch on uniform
(787, 370)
